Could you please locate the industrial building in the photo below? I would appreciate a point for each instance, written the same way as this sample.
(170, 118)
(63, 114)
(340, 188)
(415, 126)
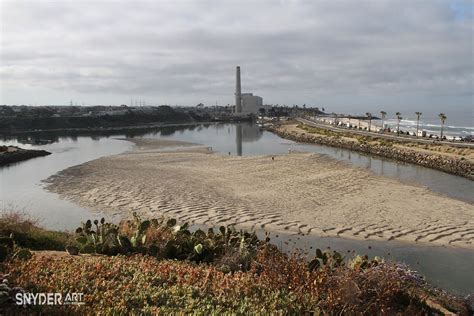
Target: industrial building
(251, 103)
(245, 103)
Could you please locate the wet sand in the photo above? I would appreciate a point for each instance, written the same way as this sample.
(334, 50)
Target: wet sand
(296, 193)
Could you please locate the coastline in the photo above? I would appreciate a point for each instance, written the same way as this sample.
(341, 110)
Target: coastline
(446, 162)
(13, 154)
(87, 130)
(299, 193)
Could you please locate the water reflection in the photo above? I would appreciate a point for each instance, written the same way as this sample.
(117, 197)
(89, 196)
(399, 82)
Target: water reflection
(246, 132)
(238, 139)
(41, 138)
(38, 140)
(248, 139)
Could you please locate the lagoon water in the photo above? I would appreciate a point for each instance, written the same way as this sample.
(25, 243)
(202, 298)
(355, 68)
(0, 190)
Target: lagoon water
(21, 186)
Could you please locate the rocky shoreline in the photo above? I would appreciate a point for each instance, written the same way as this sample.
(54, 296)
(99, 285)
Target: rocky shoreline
(12, 154)
(454, 166)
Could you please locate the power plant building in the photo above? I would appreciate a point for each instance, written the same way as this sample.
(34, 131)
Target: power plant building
(251, 103)
(245, 103)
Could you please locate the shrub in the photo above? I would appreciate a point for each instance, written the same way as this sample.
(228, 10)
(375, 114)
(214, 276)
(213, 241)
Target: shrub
(275, 284)
(222, 271)
(26, 232)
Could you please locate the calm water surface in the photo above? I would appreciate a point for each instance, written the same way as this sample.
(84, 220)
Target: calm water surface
(21, 187)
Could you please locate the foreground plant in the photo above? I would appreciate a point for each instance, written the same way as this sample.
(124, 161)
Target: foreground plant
(28, 234)
(9, 249)
(160, 267)
(275, 283)
(164, 239)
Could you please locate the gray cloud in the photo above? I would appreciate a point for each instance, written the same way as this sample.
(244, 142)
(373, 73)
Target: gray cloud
(185, 52)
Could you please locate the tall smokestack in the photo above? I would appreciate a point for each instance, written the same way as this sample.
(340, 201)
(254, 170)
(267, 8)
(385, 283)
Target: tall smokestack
(238, 91)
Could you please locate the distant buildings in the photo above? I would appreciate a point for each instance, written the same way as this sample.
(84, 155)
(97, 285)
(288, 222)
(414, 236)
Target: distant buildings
(251, 104)
(245, 103)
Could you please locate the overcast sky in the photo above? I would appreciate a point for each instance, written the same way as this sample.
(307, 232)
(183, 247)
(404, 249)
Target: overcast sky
(340, 54)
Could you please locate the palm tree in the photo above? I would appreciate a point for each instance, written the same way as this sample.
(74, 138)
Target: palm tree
(369, 115)
(418, 114)
(443, 118)
(399, 118)
(383, 114)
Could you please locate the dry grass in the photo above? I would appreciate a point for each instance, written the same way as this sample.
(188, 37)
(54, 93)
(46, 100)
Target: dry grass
(28, 234)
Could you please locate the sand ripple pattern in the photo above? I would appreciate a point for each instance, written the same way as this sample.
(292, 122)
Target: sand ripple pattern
(300, 193)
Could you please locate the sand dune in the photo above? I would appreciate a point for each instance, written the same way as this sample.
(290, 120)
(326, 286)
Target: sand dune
(299, 192)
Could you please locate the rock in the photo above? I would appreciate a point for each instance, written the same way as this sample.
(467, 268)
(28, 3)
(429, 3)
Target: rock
(10, 156)
(460, 167)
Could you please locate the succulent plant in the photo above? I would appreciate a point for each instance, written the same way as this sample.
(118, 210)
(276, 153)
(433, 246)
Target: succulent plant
(171, 222)
(101, 240)
(153, 250)
(7, 246)
(87, 249)
(124, 243)
(22, 254)
(198, 249)
(72, 250)
(4, 253)
(326, 258)
(363, 262)
(139, 238)
(98, 236)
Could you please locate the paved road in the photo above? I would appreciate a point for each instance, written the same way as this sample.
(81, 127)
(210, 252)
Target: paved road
(385, 136)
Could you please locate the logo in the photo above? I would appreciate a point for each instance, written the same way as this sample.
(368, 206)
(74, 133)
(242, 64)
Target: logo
(49, 299)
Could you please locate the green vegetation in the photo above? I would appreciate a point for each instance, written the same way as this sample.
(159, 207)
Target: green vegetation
(360, 139)
(47, 122)
(320, 131)
(389, 143)
(229, 249)
(160, 267)
(27, 234)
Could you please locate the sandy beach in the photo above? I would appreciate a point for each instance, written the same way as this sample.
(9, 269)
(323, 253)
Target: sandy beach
(296, 193)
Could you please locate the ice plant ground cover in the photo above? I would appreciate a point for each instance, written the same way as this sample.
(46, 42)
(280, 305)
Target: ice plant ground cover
(172, 270)
(276, 283)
